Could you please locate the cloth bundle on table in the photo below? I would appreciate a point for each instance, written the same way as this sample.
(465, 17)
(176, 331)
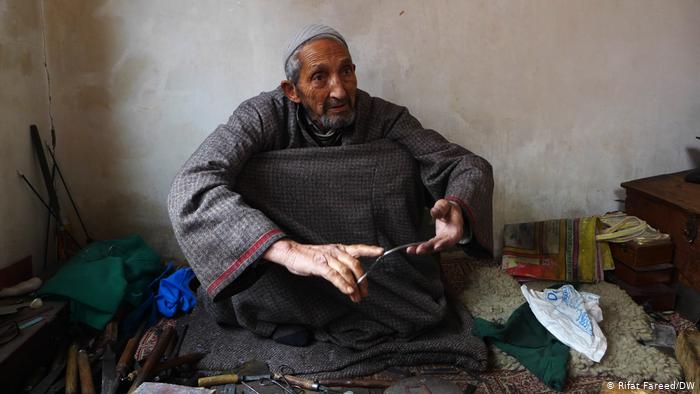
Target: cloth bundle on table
(563, 250)
(101, 276)
(349, 194)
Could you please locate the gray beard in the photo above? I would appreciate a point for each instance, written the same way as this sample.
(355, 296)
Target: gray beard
(337, 121)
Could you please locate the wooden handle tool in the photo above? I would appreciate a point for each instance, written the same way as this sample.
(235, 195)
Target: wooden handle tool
(86, 384)
(127, 356)
(153, 358)
(72, 369)
(306, 384)
(217, 380)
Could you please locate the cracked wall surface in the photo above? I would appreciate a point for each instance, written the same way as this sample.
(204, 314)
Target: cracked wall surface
(23, 101)
(565, 99)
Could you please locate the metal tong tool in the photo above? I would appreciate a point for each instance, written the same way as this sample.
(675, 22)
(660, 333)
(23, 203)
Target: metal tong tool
(399, 248)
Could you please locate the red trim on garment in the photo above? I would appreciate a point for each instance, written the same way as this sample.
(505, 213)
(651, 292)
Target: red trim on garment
(241, 259)
(472, 222)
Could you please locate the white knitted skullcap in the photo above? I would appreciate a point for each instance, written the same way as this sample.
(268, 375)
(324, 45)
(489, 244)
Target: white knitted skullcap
(308, 33)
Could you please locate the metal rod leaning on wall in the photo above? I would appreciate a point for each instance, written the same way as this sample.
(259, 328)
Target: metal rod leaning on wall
(58, 220)
(44, 166)
(88, 239)
(48, 181)
(48, 215)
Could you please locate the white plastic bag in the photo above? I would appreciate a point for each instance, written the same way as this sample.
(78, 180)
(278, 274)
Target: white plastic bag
(570, 316)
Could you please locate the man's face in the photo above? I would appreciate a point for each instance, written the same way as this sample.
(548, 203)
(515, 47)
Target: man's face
(327, 84)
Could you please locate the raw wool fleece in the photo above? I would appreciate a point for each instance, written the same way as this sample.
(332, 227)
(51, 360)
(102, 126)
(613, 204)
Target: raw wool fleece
(493, 295)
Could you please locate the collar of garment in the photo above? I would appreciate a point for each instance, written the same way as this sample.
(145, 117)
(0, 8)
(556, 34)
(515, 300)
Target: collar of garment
(332, 137)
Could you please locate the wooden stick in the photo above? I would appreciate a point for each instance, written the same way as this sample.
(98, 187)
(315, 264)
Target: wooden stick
(217, 380)
(153, 359)
(86, 384)
(127, 356)
(72, 369)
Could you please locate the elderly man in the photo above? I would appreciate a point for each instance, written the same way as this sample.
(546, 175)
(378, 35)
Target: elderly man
(275, 233)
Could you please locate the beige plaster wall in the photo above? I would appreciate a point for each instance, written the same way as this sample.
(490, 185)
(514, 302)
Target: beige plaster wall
(23, 101)
(566, 98)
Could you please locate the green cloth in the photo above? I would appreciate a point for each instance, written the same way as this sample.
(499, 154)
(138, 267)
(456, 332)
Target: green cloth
(102, 275)
(526, 339)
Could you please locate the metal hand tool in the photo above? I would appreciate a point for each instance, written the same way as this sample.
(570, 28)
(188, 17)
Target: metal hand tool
(399, 248)
(110, 383)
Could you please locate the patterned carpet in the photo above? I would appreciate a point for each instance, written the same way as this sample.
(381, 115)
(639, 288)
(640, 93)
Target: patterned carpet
(498, 382)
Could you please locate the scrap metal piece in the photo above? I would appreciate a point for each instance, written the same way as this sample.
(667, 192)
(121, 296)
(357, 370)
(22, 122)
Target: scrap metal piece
(110, 383)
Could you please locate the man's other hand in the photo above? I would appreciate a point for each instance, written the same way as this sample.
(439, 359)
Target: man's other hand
(449, 228)
(336, 263)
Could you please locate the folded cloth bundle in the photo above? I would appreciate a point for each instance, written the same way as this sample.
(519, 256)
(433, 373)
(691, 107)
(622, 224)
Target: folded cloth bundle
(562, 250)
(102, 275)
(526, 339)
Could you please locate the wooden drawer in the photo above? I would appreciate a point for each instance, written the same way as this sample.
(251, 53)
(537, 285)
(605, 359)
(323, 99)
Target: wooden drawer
(660, 296)
(671, 205)
(636, 255)
(661, 273)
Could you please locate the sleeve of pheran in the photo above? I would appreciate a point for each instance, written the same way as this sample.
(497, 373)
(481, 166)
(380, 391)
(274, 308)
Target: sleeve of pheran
(220, 235)
(449, 171)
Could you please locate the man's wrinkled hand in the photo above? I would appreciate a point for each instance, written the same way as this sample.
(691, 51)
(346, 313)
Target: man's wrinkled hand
(336, 263)
(449, 228)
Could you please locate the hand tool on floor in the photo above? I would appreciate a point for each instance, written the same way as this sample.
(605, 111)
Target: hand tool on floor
(250, 371)
(153, 358)
(110, 383)
(72, 369)
(14, 308)
(191, 358)
(307, 384)
(85, 372)
(399, 248)
(230, 378)
(127, 356)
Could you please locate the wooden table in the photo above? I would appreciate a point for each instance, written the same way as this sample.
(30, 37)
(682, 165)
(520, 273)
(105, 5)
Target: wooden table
(34, 346)
(671, 205)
